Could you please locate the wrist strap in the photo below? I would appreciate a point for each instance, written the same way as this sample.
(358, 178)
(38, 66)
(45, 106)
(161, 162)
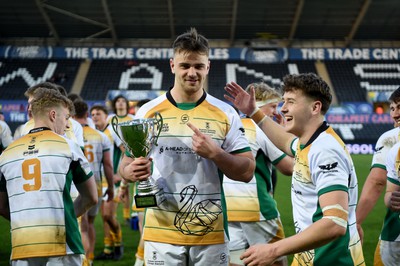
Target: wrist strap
(255, 111)
(258, 116)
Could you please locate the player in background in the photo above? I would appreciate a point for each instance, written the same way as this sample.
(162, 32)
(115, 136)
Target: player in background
(5, 136)
(120, 108)
(97, 151)
(252, 212)
(43, 215)
(375, 184)
(113, 248)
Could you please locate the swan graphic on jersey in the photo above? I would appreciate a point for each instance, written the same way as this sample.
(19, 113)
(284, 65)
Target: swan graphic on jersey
(196, 219)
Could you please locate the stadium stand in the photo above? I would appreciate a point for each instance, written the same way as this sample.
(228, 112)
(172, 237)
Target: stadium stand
(361, 133)
(245, 73)
(352, 80)
(16, 75)
(107, 75)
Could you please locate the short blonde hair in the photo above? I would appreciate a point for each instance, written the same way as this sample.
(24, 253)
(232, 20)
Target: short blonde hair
(263, 92)
(47, 99)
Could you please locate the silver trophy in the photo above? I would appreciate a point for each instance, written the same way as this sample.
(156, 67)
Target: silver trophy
(139, 136)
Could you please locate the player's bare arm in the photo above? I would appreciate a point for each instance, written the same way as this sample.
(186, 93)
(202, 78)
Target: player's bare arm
(334, 204)
(87, 196)
(246, 103)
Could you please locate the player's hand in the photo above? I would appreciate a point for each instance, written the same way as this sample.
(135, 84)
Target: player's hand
(394, 201)
(202, 144)
(137, 170)
(280, 119)
(242, 100)
(360, 232)
(259, 255)
(110, 194)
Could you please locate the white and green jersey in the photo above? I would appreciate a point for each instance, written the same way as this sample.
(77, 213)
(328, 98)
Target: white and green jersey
(96, 143)
(194, 211)
(324, 165)
(115, 142)
(252, 202)
(74, 132)
(117, 156)
(385, 142)
(5, 136)
(38, 170)
(391, 224)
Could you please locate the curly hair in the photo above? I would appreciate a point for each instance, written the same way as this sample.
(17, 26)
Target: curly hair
(311, 85)
(263, 92)
(395, 96)
(114, 101)
(46, 99)
(191, 41)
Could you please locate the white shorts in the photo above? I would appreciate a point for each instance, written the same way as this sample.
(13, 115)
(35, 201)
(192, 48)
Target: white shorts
(387, 253)
(70, 260)
(244, 234)
(156, 253)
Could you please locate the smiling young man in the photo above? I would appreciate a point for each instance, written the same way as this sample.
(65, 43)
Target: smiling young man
(324, 182)
(388, 248)
(202, 139)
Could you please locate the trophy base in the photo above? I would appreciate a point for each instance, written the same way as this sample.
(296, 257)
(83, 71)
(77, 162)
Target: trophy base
(149, 200)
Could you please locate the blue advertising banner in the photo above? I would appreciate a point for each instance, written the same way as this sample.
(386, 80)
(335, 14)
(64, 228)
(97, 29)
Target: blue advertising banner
(256, 55)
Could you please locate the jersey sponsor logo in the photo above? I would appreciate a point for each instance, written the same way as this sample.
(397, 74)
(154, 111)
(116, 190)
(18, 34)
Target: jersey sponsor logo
(296, 191)
(242, 130)
(328, 167)
(155, 260)
(222, 258)
(377, 149)
(196, 219)
(184, 118)
(165, 127)
(207, 129)
(177, 150)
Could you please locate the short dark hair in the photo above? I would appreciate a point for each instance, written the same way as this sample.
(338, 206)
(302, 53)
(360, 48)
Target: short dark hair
(99, 107)
(395, 96)
(311, 85)
(81, 109)
(74, 97)
(191, 41)
(114, 101)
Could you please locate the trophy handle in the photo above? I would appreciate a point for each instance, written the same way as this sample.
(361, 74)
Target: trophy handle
(114, 124)
(159, 122)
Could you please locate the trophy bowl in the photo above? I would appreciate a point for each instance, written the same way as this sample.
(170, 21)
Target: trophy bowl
(139, 136)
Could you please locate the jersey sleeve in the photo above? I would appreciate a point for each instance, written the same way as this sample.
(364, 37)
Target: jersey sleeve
(293, 146)
(105, 141)
(382, 148)
(330, 168)
(392, 164)
(80, 166)
(235, 141)
(6, 136)
(117, 140)
(78, 132)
